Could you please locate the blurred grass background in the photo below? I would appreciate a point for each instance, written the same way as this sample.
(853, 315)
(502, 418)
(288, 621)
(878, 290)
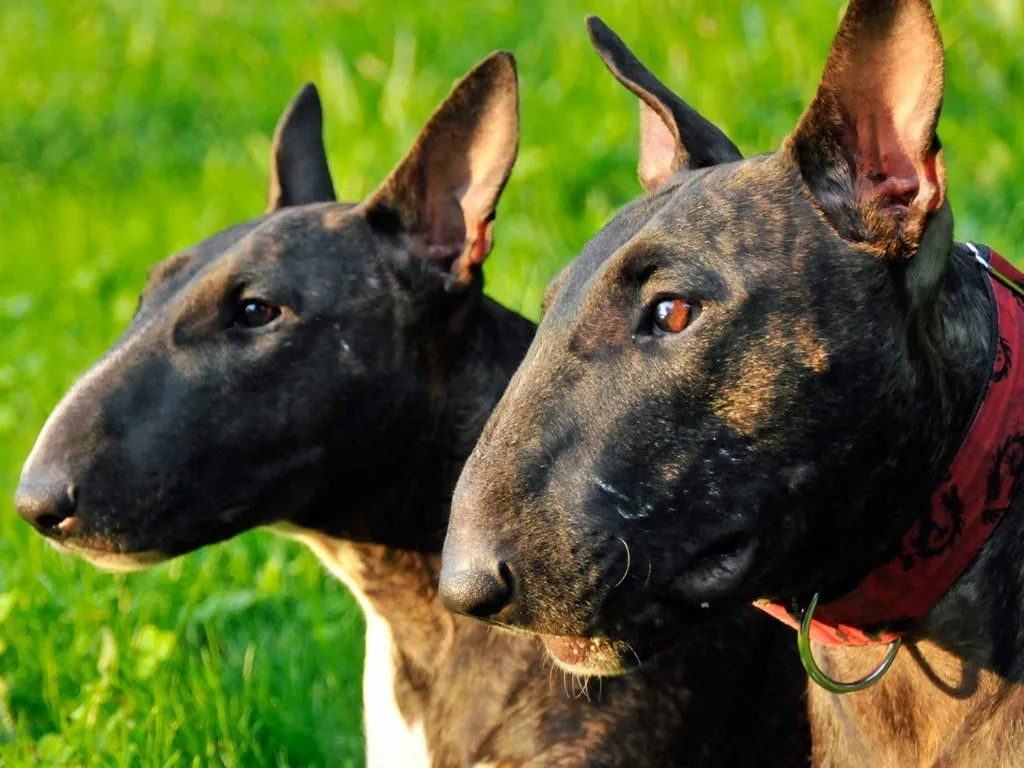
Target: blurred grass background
(132, 128)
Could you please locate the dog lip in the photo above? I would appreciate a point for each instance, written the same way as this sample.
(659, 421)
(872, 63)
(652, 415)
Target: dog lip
(718, 569)
(590, 655)
(74, 537)
(110, 560)
(69, 525)
(125, 562)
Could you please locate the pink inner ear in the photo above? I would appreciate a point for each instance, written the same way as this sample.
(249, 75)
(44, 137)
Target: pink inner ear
(657, 148)
(886, 166)
(883, 167)
(481, 245)
(447, 225)
(890, 82)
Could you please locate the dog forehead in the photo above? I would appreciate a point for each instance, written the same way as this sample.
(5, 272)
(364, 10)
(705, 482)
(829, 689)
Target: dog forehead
(307, 231)
(697, 213)
(275, 239)
(741, 221)
(569, 288)
(176, 271)
(729, 207)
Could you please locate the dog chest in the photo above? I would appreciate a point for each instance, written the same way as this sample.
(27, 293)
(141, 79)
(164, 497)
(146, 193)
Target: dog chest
(390, 739)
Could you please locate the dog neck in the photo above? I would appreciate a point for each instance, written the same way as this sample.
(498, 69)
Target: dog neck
(402, 491)
(932, 704)
(954, 693)
(386, 545)
(952, 690)
(396, 586)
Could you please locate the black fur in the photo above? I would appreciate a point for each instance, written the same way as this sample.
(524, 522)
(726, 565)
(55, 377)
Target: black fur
(784, 442)
(347, 420)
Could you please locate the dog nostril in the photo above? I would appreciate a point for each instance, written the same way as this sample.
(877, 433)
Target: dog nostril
(505, 574)
(49, 521)
(46, 505)
(478, 592)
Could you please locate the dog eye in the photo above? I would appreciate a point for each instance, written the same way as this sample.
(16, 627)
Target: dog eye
(253, 313)
(672, 315)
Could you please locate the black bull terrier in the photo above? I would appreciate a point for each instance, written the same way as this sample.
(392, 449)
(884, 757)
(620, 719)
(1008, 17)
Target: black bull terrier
(325, 369)
(760, 375)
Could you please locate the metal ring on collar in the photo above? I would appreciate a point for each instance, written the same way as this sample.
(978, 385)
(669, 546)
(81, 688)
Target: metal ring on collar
(803, 644)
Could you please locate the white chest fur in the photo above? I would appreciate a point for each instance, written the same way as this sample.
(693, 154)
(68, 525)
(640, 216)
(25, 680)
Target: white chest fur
(391, 741)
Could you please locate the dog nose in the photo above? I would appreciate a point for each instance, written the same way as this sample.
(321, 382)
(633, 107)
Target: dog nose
(479, 592)
(46, 503)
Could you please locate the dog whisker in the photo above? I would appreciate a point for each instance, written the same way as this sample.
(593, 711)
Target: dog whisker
(635, 654)
(582, 681)
(629, 561)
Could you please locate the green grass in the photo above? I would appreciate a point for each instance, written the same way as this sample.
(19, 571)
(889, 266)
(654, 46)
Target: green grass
(131, 128)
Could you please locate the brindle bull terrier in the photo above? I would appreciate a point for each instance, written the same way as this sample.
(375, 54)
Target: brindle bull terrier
(325, 369)
(779, 379)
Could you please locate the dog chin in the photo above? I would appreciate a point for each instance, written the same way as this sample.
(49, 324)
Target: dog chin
(591, 655)
(115, 562)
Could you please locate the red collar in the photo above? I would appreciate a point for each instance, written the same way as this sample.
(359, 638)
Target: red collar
(983, 479)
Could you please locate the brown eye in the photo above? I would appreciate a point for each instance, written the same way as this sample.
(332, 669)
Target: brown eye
(253, 313)
(672, 316)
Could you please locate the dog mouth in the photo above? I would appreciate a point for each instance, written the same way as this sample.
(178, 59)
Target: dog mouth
(596, 656)
(718, 570)
(126, 553)
(109, 558)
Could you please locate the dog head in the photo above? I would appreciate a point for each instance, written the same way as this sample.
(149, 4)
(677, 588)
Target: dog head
(721, 374)
(289, 366)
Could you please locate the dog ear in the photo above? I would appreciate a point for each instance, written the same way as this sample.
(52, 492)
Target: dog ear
(672, 134)
(444, 191)
(298, 161)
(867, 146)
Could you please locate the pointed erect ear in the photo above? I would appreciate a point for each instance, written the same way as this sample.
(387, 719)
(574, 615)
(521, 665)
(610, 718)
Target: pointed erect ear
(672, 134)
(444, 192)
(298, 163)
(867, 146)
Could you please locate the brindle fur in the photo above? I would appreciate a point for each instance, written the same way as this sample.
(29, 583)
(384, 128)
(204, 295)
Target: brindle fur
(346, 426)
(786, 441)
